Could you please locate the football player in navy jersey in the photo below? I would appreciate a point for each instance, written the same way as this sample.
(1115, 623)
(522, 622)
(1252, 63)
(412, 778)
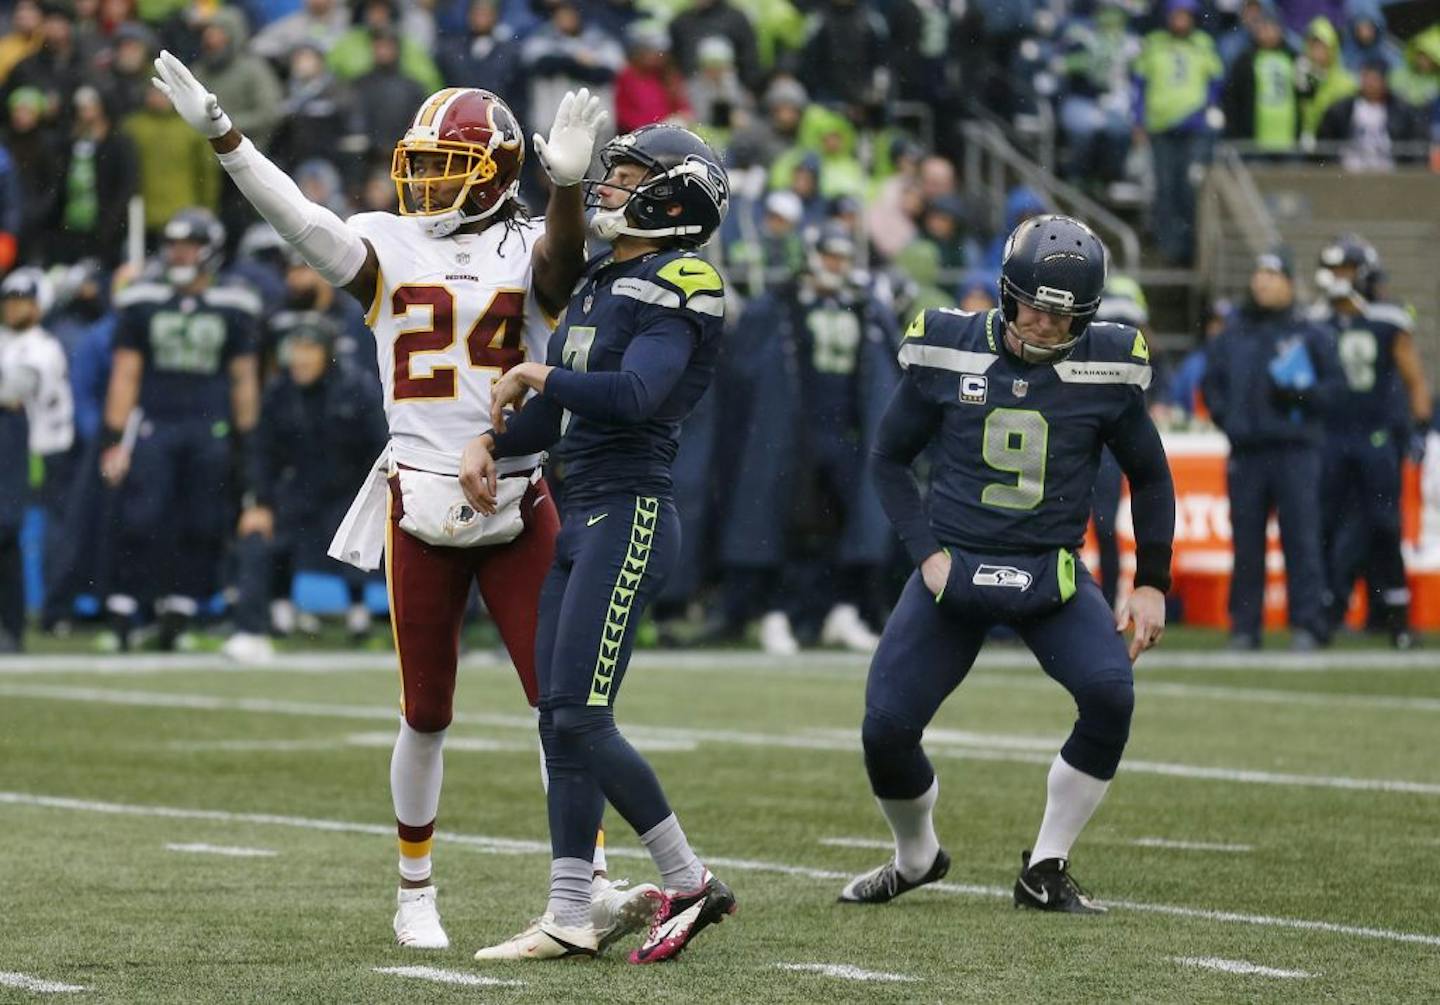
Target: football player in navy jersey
(636, 351)
(185, 357)
(1015, 404)
(1365, 444)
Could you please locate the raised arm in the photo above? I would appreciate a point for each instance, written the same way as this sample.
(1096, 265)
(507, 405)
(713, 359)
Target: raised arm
(341, 256)
(559, 256)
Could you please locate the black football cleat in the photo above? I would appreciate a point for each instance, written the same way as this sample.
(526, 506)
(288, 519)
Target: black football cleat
(882, 885)
(1048, 886)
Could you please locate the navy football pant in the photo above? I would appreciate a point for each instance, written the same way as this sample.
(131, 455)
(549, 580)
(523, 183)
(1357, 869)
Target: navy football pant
(1362, 525)
(1285, 478)
(926, 651)
(175, 513)
(611, 558)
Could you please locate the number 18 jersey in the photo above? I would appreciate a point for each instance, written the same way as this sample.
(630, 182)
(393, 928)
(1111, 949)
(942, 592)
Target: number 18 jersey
(1019, 443)
(450, 315)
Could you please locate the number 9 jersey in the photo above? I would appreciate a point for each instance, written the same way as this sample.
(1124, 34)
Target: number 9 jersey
(450, 315)
(1019, 443)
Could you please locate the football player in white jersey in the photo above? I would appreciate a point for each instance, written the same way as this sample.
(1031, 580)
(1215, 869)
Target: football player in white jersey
(461, 285)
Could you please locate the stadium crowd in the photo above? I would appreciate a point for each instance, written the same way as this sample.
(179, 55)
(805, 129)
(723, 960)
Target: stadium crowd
(840, 121)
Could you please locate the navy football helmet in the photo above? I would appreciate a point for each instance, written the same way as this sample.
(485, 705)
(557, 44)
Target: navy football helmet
(681, 169)
(1054, 264)
(1353, 251)
(199, 226)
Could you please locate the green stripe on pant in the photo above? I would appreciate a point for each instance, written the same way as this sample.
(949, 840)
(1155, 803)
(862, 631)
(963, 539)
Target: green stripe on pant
(627, 582)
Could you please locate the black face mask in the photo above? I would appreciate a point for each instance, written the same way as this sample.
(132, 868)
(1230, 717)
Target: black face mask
(87, 309)
(301, 301)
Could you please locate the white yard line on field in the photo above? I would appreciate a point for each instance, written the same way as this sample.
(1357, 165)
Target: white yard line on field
(1237, 967)
(1155, 842)
(341, 661)
(10, 979)
(511, 846)
(848, 842)
(449, 977)
(846, 972)
(230, 851)
(1245, 695)
(1023, 749)
(883, 844)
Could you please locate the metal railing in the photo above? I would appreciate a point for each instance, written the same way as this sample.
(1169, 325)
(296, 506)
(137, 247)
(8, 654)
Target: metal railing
(1231, 205)
(992, 165)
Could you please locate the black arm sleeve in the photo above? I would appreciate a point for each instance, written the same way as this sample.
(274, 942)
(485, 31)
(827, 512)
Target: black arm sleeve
(1136, 444)
(534, 428)
(909, 423)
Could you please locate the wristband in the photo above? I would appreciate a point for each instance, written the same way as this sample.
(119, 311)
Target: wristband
(111, 437)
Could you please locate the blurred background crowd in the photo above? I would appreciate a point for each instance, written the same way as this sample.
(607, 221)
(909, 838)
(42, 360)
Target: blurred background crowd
(879, 152)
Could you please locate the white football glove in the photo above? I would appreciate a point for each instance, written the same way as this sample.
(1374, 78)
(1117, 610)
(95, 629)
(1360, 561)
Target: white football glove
(197, 106)
(566, 155)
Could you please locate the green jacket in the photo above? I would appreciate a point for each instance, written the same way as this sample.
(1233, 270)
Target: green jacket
(177, 167)
(1409, 82)
(1179, 76)
(1319, 89)
(353, 57)
(840, 172)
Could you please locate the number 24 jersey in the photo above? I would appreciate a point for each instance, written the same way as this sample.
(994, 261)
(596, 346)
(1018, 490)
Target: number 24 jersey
(450, 315)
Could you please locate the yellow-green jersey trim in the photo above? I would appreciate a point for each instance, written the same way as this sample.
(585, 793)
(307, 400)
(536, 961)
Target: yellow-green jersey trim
(691, 276)
(1065, 571)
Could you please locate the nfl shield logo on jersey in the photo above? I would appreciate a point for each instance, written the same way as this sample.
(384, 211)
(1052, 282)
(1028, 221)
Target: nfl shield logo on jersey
(588, 302)
(1020, 387)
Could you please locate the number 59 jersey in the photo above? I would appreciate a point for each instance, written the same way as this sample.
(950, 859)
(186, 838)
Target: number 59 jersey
(450, 315)
(1019, 443)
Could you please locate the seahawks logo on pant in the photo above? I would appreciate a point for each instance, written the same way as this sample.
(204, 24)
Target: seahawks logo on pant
(632, 570)
(1002, 575)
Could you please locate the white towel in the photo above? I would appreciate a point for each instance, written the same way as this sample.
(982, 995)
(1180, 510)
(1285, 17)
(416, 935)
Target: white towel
(360, 538)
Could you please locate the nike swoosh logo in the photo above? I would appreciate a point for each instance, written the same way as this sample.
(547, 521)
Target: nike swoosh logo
(692, 272)
(681, 922)
(1043, 897)
(596, 519)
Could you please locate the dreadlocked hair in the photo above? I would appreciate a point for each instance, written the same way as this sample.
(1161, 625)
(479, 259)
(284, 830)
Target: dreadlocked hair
(514, 215)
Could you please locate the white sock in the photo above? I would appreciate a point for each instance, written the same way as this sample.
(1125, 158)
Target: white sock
(913, 824)
(416, 770)
(1072, 798)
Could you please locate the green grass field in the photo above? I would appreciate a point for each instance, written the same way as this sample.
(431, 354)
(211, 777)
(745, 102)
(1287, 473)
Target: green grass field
(1273, 812)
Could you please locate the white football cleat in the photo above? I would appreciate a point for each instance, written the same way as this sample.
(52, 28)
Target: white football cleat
(617, 909)
(282, 616)
(417, 920)
(843, 627)
(776, 638)
(544, 940)
(249, 649)
(357, 620)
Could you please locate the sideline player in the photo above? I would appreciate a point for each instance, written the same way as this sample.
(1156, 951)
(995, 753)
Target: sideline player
(461, 286)
(637, 350)
(184, 378)
(1365, 445)
(1017, 403)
